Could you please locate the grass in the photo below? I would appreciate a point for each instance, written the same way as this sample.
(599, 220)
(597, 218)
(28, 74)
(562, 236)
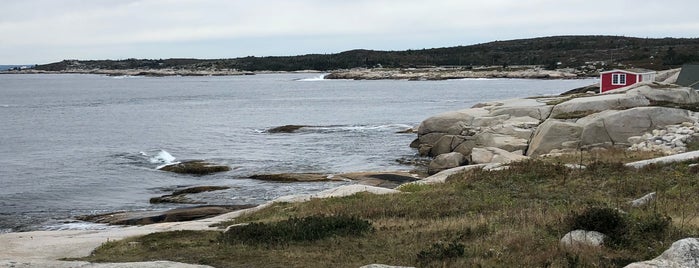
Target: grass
(507, 218)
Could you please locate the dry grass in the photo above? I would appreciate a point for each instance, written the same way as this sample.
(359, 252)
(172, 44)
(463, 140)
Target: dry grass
(508, 218)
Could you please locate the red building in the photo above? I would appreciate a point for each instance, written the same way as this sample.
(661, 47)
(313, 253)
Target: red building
(614, 79)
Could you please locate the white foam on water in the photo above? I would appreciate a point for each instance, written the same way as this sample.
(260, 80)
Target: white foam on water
(5, 231)
(366, 127)
(163, 157)
(312, 79)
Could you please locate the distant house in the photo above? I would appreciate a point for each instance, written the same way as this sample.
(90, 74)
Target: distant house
(689, 76)
(614, 79)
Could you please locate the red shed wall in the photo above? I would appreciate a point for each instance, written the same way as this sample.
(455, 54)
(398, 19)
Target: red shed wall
(606, 81)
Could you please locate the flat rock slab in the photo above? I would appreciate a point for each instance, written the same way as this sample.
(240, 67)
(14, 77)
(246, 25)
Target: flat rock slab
(295, 177)
(380, 179)
(151, 217)
(665, 159)
(180, 196)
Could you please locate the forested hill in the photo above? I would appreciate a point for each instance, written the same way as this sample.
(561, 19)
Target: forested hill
(551, 52)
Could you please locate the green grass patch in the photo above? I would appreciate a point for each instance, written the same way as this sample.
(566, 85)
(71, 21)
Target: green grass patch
(309, 228)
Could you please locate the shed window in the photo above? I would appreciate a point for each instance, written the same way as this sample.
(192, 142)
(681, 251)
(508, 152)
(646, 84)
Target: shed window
(618, 79)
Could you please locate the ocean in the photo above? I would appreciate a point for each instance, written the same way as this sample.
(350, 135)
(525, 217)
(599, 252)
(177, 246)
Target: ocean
(73, 144)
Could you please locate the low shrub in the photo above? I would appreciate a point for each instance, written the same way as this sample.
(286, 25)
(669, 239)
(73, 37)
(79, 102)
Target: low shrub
(440, 251)
(296, 230)
(623, 230)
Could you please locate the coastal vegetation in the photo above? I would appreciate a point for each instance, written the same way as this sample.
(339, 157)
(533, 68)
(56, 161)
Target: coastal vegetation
(550, 52)
(512, 217)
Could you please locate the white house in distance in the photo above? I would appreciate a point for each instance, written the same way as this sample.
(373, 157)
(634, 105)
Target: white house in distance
(614, 79)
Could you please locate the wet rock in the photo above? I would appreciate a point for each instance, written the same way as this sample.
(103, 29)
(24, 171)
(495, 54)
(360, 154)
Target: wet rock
(150, 217)
(294, 177)
(180, 196)
(389, 180)
(195, 167)
(286, 129)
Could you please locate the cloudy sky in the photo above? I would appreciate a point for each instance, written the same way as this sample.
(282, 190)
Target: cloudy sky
(43, 31)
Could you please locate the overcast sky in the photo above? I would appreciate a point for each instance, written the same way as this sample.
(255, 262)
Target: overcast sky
(43, 31)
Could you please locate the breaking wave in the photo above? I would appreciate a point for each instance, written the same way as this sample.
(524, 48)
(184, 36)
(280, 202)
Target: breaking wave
(312, 79)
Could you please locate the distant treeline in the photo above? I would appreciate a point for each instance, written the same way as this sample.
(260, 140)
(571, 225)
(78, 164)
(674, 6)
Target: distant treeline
(551, 52)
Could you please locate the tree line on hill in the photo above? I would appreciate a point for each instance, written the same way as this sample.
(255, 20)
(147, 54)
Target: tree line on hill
(550, 52)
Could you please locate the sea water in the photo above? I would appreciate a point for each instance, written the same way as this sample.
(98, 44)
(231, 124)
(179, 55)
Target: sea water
(82, 144)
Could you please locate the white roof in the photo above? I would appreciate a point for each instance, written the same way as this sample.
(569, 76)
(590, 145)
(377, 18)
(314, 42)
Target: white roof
(633, 71)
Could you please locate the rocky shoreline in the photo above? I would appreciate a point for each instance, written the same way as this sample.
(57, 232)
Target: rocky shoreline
(152, 72)
(648, 116)
(440, 73)
(417, 74)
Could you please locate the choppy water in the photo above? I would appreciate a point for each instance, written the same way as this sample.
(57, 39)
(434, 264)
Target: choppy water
(79, 144)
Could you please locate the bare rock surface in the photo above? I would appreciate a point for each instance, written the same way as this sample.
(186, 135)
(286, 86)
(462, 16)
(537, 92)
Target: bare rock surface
(583, 238)
(682, 253)
(542, 125)
(446, 161)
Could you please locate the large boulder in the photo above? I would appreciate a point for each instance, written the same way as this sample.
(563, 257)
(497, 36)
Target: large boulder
(448, 122)
(578, 238)
(489, 155)
(446, 161)
(666, 93)
(598, 103)
(447, 144)
(683, 253)
(554, 134)
(615, 127)
(505, 142)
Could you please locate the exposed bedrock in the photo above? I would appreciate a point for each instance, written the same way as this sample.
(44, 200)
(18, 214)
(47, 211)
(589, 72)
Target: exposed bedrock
(544, 125)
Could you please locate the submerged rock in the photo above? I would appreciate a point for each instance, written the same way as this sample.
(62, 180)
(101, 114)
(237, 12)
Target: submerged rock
(286, 129)
(195, 167)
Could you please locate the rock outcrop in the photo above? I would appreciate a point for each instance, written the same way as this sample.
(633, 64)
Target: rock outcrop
(437, 73)
(446, 161)
(539, 126)
(682, 253)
